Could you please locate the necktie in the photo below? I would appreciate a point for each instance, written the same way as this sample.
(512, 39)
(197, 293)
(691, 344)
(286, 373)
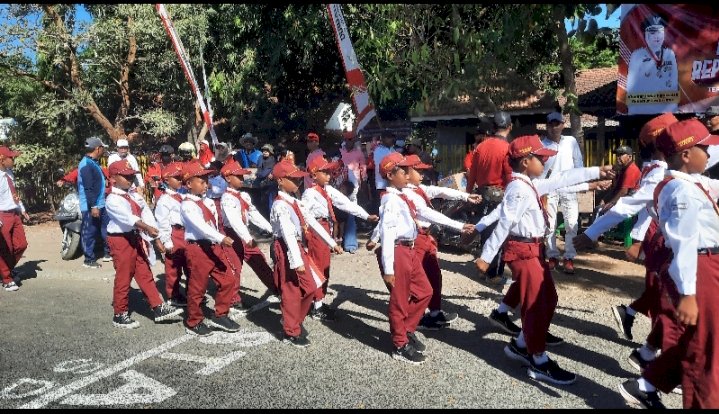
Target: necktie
(13, 191)
(545, 215)
(136, 209)
(206, 213)
(412, 210)
(330, 208)
(421, 192)
(244, 207)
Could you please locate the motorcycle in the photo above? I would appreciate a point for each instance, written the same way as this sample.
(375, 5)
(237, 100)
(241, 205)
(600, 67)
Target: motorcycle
(463, 212)
(70, 219)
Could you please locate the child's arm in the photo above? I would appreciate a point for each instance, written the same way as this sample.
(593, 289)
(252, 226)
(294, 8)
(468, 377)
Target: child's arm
(234, 217)
(255, 216)
(281, 212)
(345, 204)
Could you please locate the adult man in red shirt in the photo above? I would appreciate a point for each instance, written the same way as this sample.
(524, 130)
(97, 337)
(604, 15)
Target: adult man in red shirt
(490, 172)
(628, 176)
(479, 135)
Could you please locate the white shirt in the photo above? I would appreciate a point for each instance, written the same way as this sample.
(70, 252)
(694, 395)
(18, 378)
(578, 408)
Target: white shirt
(627, 206)
(317, 205)
(133, 163)
(7, 202)
(196, 228)
(645, 82)
(568, 156)
(395, 222)
(380, 152)
(689, 222)
(520, 213)
(286, 225)
(232, 214)
(167, 213)
(119, 211)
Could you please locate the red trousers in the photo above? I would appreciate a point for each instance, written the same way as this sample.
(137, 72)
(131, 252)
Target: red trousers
(130, 261)
(410, 295)
(13, 244)
(207, 260)
(296, 300)
(536, 290)
(320, 254)
(426, 247)
(176, 264)
(254, 257)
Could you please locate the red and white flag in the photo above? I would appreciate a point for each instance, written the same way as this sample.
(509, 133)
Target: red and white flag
(355, 78)
(187, 68)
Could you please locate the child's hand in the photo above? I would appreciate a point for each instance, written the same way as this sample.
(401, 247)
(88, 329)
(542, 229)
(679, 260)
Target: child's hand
(474, 198)
(633, 251)
(338, 249)
(687, 310)
(373, 218)
(370, 245)
(482, 266)
(389, 280)
(607, 171)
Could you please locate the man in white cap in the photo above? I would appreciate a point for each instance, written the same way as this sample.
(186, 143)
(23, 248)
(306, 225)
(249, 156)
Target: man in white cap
(123, 152)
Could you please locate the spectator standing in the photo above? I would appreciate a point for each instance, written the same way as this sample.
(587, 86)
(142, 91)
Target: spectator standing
(314, 151)
(123, 153)
(248, 156)
(385, 147)
(268, 187)
(91, 191)
(354, 159)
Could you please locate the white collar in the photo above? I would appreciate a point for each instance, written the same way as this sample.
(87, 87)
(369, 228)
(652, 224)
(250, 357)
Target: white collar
(286, 196)
(682, 176)
(522, 176)
(193, 197)
(393, 190)
(119, 191)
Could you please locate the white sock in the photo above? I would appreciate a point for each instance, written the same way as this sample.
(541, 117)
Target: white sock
(540, 359)
(520, 340)
(503, 308)
(647, 353)
(645, 385)
(318, 305)
(630, 311)
(434, 313)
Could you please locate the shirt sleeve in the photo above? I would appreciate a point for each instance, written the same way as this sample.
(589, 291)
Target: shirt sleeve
(162, 215)
(624, 208)
(234, 215)
(644, 220)
(472, 174)
(118, 209)
(388, 233)
(434, 216)
(254, 215)
(511, 210)
(566, 178)
(679, 219)
(146, 213)
(488, 219)
(446, 193)
(311, 203)
(345, 204)
(574, 188)
(289, 235)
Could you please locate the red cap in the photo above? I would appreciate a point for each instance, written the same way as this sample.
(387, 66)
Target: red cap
(233, 168)
(528, 144)
(417, 163)
(121, 167)
(321, 164)
(313, 137)
(391, 160)
(7, 152)
(683, 135)
(651, 130)
(194, 169)
(285, 169)
(173, 169)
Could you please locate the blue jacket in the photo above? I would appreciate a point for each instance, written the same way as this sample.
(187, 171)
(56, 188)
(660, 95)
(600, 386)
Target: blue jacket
(90, 184)
(248, 160)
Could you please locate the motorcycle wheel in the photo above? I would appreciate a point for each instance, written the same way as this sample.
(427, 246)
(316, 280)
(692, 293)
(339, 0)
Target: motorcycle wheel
(70, 248)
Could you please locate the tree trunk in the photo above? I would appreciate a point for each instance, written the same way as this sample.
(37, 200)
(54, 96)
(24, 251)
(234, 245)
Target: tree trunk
(570, 87)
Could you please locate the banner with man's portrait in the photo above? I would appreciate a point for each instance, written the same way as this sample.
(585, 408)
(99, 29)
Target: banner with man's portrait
(669, 58)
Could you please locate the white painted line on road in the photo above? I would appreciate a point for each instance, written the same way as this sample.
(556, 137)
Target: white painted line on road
(78, 366)
(9, 392)
(242, 338)
(97, 376)
(140, 389)
(212, 364)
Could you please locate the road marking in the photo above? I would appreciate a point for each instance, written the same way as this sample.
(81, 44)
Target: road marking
(98, 375)
(212, 364)
(139, 389)
(242, 338)
(8, 392)
(78, 366)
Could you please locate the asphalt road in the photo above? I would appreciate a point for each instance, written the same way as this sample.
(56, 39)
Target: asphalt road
(60, 350)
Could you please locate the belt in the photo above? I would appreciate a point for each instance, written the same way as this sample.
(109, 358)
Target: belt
(404, 242)
(178, 226)
(526, 239)
(127, 233)
(13, 211)
(325, 219)
(708, 250)
(203, 242)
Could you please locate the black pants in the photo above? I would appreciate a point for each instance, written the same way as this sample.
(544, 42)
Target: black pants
(496, 267)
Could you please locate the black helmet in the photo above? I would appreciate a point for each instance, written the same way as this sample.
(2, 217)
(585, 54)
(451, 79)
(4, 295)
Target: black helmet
(167, 149)
(502, 120)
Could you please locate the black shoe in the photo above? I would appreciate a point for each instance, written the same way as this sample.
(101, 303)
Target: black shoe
(223, 323)
(124, 321)
(624, 321)
(324, 313)
(429, 323)
(502, 321)
(416, 344)
(10, 287)
(553, 340)
(201, 329)
(92, 265)
(165, 311)
(638, 398)
(300, 341)
(446, 318)
(513, 351)
(635, 358)
(179, 302)
(550, 372)
(408, 354)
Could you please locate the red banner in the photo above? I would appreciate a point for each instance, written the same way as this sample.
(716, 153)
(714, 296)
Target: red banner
(669, 58)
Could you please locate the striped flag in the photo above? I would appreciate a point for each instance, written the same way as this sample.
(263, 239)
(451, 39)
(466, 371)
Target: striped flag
(355, 78)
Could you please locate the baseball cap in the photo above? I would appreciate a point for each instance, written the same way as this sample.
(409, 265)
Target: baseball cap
(94, 142)
(712, 111)
(555, 117)
(122, 143)
(528, 144)
(651, 130)
(233, 168)
(502, 119)
(269, 148)
(7, 152)
(194, 169)
(623, 149)
(391, 160)
(173, 169)
(416, 163)
(121, 167)
(313, 137)
(321, 164)
(285, 169)
(683, 135)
